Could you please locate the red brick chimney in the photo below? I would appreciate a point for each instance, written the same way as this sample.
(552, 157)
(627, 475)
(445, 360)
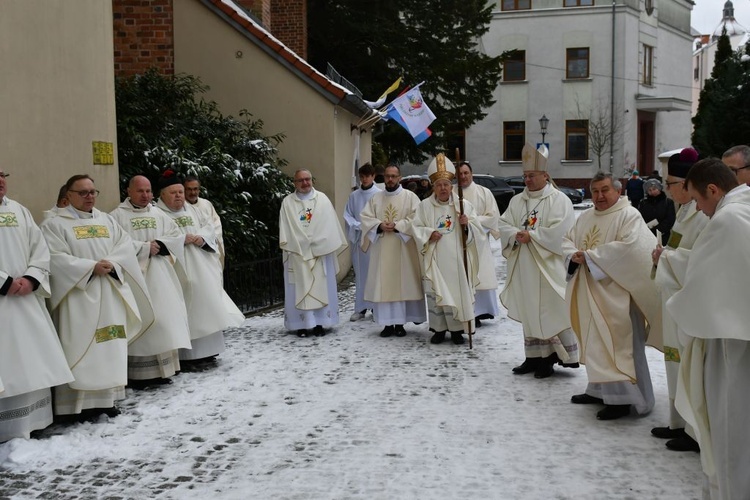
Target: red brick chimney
(143, 36)
(285, 19)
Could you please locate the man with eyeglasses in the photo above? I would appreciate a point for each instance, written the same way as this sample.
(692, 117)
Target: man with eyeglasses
(310, 237)
(531, 232)
(99, 302)
(210, 310)
(192, 195)
(711, 311)
(31, 358)
(485, 305)
(158, 245)
(394, 283)
(670, 262)
(737, 158)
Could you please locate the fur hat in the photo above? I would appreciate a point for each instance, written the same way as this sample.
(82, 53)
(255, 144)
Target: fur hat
(168, 178)
(441, 168)
(534, 159)
(652, 183)
(679, 164)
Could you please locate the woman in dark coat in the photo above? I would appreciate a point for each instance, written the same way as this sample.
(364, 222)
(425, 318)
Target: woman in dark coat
(657, 210)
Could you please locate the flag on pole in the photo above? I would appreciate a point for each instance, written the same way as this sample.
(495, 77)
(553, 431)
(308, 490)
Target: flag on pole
(411, 112)
(381, 99)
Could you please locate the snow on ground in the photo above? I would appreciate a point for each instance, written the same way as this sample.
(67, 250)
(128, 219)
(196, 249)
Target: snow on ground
(353, 416)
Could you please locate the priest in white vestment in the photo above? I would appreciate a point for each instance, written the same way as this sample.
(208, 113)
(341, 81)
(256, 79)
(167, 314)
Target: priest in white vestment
(737, 158)
(712, 317)
(394, 283)
(485, 301)
(360, 259)
(209, 308)
(449, 280)
(99, 301)
(613, 303)
(192, 195)
(31, 358)
(310, 238)
(670, 264)
(531, 232)
(158, 244)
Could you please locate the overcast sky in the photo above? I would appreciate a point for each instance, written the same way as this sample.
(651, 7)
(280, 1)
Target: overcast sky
(707, 14)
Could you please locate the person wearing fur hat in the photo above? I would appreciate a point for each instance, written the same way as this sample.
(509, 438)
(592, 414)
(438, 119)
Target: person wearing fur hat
(449, 281)
(737, 158)
(671, 262)
(657, 210)
(531, 232)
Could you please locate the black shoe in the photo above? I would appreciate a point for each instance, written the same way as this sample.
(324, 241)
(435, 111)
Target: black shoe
(438, 338)
(400, 332)
(148, 383)
(111, 412)
(302, 333)
(684, 443)
(585, 399)
(667, 432)
(613, 412)
(457, 338)
(529, 365)
(570, 365)
(477, 323)
(318, 331)
(485, 316)
(387, 331)
(544, 370)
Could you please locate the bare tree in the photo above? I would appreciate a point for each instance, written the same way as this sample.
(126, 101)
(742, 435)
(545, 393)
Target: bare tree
(604, 128)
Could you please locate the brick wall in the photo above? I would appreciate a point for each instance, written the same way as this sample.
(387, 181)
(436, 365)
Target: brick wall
(143, 36)
(260, 9)
(289, 24)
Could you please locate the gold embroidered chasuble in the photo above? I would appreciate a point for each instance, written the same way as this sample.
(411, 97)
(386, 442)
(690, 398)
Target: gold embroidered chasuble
(309, 229)
(534, 291)
(487, 216)
(170, 330)
(442, 261)
(393, 274)
(619, 243)
(96, 316)
(31, 357)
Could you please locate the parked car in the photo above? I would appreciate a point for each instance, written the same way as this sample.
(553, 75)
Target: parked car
(498, 187)
(516, 182)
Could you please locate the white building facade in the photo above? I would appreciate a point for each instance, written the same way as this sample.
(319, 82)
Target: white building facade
(577, 62)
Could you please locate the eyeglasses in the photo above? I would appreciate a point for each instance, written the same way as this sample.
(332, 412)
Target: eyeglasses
(530, 176)
(735, 170)
(4, 175)
(305, 179)
(673, 183)
(85, 194)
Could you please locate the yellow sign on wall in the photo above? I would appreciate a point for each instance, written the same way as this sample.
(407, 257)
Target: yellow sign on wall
(104, 153)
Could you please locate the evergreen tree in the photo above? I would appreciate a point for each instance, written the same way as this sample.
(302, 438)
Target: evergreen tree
(721, 121)
(163, 123)
(373, 42)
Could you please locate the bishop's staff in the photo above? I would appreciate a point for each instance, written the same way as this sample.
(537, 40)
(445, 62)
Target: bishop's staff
(464, 231)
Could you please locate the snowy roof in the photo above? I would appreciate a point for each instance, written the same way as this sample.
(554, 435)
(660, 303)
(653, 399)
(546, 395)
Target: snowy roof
(246, 25)
(728, 21)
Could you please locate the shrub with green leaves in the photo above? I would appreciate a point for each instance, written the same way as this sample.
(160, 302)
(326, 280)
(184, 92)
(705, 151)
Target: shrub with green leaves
(164, 122)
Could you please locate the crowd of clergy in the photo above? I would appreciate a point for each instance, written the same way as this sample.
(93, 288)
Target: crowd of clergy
(592, 290)
(92, 302)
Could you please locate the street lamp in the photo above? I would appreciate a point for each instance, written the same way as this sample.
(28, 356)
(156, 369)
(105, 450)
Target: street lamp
(543, 122)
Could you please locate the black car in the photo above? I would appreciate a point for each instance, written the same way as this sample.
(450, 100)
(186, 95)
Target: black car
(498, 187)
(516, 182)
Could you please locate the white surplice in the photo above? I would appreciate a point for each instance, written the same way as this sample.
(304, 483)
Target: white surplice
(712, 317)
(613, 303)
(394, 283)
(210, 310)
(488, 215)
(96, 316)
(311, 237)
(534, 291)
(31, 357)
(669, 277)
(209, 212)
(360, 259)
(151, 356)
(444, 276)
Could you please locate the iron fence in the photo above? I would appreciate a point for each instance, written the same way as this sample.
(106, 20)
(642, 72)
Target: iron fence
(257, 285)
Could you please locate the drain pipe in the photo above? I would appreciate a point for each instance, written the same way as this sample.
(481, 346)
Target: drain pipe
(612, 98)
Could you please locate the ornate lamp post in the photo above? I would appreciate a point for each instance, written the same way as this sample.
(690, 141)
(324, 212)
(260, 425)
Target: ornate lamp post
(543, 122)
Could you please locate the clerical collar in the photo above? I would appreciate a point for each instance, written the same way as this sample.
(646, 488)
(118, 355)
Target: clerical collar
(368, 187)
(78, 214)
(450, 199)
(305, 196)
(4, 201)
(394, 192)
(135, 206)
(536, 194)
